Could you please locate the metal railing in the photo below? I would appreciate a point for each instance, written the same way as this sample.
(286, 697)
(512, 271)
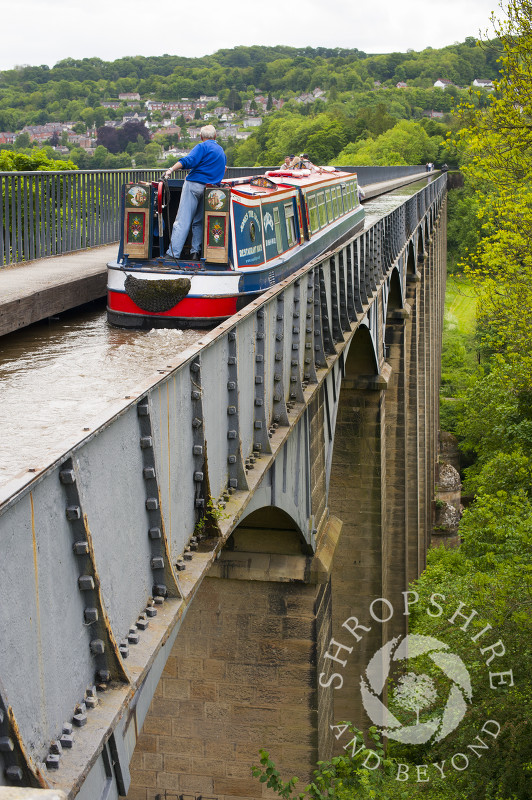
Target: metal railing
(50, 213)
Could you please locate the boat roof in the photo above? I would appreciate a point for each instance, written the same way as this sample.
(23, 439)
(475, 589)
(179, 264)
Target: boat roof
(273, 180)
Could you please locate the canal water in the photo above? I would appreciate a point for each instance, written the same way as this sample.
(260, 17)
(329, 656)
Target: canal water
(58, 377)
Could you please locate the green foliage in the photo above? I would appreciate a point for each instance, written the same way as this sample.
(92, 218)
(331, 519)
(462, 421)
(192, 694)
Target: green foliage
(11, 161)
(351, 776)
(406, 143)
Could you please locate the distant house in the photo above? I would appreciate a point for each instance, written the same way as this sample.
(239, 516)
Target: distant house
(110, 103)
(129, 96)
(140, 118)
(6, 137)
(401, 85)
(252, 122)
(433, 114)
(482, 83)
(442, 83)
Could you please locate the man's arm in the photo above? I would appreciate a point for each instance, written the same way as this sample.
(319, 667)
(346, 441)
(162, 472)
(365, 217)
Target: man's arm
(170, 171)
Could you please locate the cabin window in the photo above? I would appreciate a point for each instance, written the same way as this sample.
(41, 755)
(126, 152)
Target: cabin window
(354, 195)
(290, 224)
(329, 203)
(277, 223)
(313, 213)
(335, 202)
(349, 195)
(321, 210)
(340, 201)
(345, 198)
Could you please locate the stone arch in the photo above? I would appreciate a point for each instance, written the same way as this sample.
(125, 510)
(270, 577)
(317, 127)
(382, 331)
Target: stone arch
(411, 260)
(420, 244)
(395, 293)
(361, 357)
(268, 530)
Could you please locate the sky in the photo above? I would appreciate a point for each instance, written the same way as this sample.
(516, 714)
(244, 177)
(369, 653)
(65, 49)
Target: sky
(35, 32)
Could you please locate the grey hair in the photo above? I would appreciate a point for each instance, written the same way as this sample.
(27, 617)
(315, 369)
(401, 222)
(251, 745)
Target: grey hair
(208, 132)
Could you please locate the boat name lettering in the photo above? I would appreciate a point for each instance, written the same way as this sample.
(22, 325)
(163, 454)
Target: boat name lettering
(249, 215)
(269, 242)
(249, 251)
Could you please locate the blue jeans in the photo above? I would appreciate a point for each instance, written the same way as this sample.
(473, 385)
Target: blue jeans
(190, 211)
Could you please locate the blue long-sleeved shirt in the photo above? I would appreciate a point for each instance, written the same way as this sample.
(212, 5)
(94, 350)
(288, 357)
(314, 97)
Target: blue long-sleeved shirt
(206, 162)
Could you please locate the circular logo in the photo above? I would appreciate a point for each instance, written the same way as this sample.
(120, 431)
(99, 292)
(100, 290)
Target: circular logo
(416, 692)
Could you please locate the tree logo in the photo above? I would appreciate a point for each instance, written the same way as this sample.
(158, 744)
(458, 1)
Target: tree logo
(416, 692)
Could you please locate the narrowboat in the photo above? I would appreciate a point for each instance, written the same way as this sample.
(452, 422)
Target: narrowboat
(257, 231)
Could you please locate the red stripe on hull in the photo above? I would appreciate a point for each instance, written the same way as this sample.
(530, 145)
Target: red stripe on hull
(194, 307)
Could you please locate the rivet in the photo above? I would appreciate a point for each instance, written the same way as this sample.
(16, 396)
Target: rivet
(259, 358)
(124, 650)
(86, 583)
(294, 362)
(133, 638)
(259, 401)
(231, 360)
(260, 336)
(97, 647)
(231, 410)
(148, 472)
(91, 702)
(195, 395)
(80, 548)
(6, 744)
(142, 410)
(258, 424)
(154, 533)
(67, 726)
(80, 720)
(277, 398)
(279, 337)
(194, 367)
(278, 356)
(142, 623)
(231, 459)
(52, 762)
(257, 446)
(196, 423)
(231, 385)
(152, 504)
(260, 313)
(146, 441)
(67, 741)
(279, 316)
(231, 434)
(14, 774)
(258, 379)
(73, 512)
(151, 612)
(67, 476)
(180, 565)
(308, 346)
(293, 379)
(233, 483)
(199, 502)
(91, 615)
(232, 336)
(157, 562)
(198, 477)
(159, 590)
(295, 346)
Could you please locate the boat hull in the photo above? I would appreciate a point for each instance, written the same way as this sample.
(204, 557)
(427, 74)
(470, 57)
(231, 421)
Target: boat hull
(214, 294)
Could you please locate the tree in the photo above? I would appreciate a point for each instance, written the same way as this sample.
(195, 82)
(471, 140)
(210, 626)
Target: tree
(22, 141)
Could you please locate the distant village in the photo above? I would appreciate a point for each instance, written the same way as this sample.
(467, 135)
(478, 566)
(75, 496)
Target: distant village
(235, 124)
